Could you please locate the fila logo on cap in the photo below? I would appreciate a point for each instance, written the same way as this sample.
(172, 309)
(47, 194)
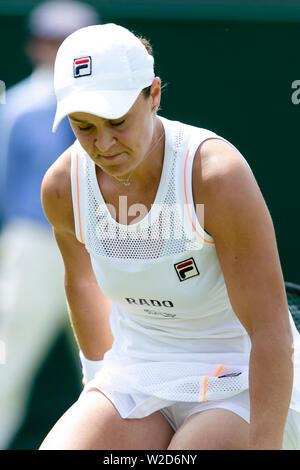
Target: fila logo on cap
(82, 66)
(186, 269)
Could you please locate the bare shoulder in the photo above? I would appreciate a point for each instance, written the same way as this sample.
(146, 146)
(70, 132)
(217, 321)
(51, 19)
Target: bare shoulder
(224, 182)
(56, 193)
(217, 161)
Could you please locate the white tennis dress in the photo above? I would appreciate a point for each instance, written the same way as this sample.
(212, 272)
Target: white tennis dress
(176, 336)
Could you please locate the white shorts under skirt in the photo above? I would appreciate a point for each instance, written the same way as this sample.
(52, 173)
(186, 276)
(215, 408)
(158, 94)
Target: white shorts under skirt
(177, 412)
(239, 404)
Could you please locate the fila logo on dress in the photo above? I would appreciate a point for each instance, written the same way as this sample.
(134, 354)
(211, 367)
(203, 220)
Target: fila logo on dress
(82, 66)
(186, 269)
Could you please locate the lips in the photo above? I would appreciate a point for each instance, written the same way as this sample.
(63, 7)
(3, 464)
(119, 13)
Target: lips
(109, 157)
(111, 160)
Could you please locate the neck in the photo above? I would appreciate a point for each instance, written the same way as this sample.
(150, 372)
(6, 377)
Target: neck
(150, 168)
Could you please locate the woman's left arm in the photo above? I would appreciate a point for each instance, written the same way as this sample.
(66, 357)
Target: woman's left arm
(237, 217)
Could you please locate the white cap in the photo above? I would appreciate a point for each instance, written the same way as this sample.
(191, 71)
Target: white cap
(100, 70)
(56, 19)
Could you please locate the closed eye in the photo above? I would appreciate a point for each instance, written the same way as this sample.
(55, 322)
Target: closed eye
(85, 128)
(116, 124)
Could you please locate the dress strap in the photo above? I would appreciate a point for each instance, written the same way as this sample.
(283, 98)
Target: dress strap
(77, 187)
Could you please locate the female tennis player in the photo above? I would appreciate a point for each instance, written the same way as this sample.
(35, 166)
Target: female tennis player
(185, 336)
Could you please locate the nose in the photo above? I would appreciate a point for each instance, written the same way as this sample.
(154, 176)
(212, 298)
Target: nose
(104, 141)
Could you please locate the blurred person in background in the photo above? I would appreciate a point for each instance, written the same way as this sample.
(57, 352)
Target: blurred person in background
(32, 301)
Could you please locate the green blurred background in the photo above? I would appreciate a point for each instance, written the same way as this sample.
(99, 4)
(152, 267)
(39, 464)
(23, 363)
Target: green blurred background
(229, 67)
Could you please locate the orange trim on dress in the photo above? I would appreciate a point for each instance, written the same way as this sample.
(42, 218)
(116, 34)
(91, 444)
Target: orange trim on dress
(205, 382)
(78, 200)
(186, 201)
(204, 388)
(219, 371)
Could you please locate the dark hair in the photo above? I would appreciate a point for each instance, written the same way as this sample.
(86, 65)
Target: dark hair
(146, 43)
(146, 92)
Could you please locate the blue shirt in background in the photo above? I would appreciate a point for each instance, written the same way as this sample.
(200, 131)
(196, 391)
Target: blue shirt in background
(31, 150)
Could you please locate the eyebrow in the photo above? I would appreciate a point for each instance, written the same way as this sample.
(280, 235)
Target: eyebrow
(87, 122)
(77, 120)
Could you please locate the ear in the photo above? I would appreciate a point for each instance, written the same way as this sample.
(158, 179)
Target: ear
(155, 92)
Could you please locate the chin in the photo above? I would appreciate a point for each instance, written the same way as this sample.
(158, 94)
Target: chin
(113, 170)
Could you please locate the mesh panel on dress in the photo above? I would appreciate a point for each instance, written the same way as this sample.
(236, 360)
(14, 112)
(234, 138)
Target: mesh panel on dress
(163, 236)
(187, 382)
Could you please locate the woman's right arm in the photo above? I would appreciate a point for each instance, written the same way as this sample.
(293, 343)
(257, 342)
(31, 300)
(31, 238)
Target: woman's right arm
(89, 309)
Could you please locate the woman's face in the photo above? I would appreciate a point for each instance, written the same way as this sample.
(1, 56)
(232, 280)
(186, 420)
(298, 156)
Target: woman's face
(118, 146)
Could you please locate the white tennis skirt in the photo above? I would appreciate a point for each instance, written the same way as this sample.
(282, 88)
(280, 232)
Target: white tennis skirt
(179, 389)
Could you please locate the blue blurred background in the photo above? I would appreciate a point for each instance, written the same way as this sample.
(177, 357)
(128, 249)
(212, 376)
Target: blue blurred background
(231, 67)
